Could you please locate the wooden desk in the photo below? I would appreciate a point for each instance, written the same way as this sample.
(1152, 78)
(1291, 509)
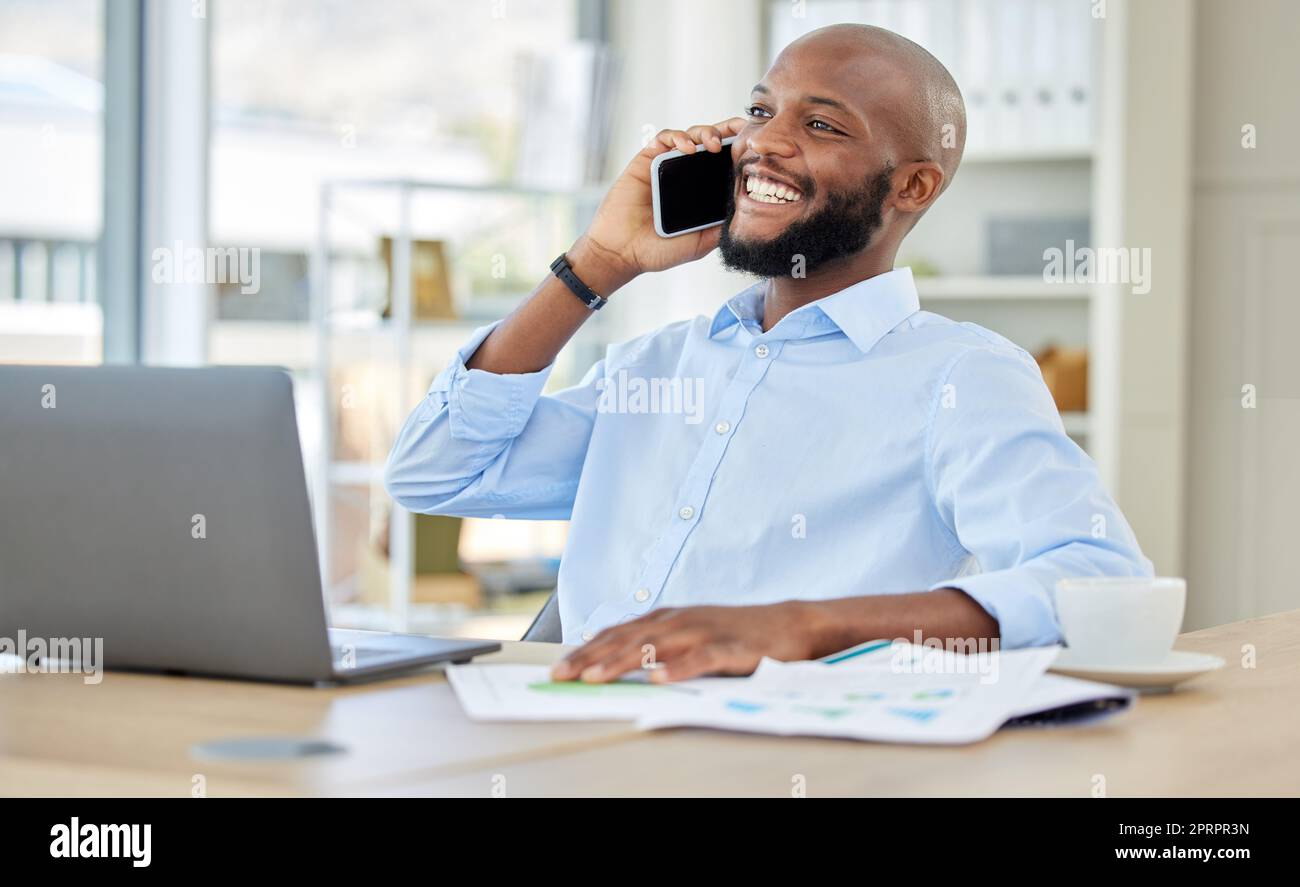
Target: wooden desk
(1232, 732)
(133, 734)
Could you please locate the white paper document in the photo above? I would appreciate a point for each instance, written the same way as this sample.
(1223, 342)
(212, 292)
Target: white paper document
(906, 695)
(1055, 691)
(902, 693)
(527, 693)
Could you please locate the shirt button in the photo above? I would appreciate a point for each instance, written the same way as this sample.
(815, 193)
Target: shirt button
(586, 635)
(686, 513)
(760, 350)
(722, 427)
(642, 595)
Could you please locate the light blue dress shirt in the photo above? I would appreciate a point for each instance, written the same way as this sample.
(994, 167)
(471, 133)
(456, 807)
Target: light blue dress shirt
(861, 446)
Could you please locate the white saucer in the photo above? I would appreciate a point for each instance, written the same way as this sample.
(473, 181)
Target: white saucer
(1178, 666)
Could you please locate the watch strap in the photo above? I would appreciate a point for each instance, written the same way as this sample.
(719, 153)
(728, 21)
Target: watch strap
(563, 270)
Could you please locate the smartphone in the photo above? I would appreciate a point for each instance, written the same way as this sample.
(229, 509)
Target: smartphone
(690, 191)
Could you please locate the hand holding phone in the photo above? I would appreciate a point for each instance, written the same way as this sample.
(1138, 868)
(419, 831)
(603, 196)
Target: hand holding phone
(623, 230)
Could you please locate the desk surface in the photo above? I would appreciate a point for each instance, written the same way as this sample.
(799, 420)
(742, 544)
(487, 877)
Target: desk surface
(1231, 732)
(134, 734)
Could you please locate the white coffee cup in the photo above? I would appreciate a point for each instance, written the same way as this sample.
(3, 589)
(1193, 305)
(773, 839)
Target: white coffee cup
(1122, 620)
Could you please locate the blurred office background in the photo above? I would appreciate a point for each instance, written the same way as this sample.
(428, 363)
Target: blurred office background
(399, 173)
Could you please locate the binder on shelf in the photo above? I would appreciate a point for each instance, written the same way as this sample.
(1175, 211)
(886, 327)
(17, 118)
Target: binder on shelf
(1076, 121)
(975, 74)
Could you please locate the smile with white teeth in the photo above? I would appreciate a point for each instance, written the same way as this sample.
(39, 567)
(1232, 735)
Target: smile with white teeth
(767, 191)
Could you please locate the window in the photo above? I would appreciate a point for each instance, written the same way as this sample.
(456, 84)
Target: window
(51, 161)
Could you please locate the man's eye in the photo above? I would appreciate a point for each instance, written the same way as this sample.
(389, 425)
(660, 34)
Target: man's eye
(826, 126)
(756, 111)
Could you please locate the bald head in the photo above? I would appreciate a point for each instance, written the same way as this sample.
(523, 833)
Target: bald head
(850, 138)
(905, 88)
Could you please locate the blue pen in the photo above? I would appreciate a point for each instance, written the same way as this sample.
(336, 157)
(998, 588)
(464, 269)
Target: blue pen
(851, 652)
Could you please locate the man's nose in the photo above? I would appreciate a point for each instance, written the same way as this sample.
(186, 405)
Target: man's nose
(775, 137)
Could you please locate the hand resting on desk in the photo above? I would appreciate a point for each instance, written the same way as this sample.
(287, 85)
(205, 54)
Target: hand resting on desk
(676, 644)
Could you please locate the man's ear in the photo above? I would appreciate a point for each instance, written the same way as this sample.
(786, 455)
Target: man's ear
(917, 185)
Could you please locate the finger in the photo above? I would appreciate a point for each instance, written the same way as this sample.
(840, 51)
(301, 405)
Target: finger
(702, 660)
(613, 665)
(568, 668)
(708, 136)
(605, 641)
(637, 654)
(725, 659)
(565, 670)
(684, 142)
(675, 138)
(625, 651)
(662, 141)
(730, 126)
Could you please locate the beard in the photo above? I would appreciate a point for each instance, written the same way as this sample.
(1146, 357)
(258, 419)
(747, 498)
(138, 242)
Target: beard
(841, 228)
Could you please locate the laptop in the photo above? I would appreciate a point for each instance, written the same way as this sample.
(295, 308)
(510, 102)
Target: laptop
(165, 511)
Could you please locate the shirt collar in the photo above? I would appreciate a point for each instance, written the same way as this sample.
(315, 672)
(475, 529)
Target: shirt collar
(745, 308)
(864, 312)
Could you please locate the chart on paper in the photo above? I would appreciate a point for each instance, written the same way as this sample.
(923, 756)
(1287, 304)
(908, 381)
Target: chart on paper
(957, 700)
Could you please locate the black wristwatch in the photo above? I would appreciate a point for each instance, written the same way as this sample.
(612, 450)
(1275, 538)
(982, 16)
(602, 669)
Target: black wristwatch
(588, 296)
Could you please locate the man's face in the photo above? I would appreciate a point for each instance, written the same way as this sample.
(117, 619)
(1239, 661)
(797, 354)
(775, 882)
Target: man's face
(812, 177)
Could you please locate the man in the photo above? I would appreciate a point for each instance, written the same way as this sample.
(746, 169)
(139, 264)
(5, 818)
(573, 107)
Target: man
(862, 469)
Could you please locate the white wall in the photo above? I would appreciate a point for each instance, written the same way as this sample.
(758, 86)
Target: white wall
(1243, 478)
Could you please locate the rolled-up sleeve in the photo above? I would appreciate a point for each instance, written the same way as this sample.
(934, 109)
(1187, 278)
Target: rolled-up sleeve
(1019, 494)
(484, 444)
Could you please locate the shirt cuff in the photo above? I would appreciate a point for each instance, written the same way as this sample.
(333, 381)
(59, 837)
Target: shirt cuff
(483, 406)
(1018, 601)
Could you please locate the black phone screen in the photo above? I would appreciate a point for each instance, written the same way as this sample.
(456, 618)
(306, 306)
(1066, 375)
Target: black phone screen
(694, 190)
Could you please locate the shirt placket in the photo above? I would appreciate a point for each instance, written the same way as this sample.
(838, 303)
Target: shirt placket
(688, 506)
